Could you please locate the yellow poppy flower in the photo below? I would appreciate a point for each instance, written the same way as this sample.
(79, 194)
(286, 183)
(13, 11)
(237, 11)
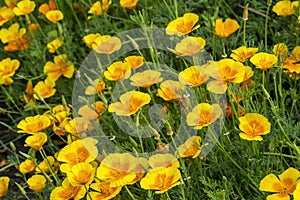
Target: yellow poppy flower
(24, 7)
(292, 62)
(103, 191)
(67, 191)
(106, 44)
(11, 3)
(118, 169)
(54, 16)
(81, 174)
(61, 66)
(8, 67)
(90, 39)
(183, 25)
(263, 60)
(45, 89)
(26, 166)
(117, 71)
(161, 180)
(60, 130)
(134, 61)
(77, 152)
(95, 88)
(163, 161)
(95, 9)
(146, 78)
(13, 33)
(34, 124)
(284, 186)
(226, 28)
(54, 45)
(44, 167)
(285, 8)
(191, 148)
(170, 90)
(130, 103)
(193, 76)
(46, 7)
(242, 54)
(4, 183)
(225, 70)
(6, 14)
(36, 141)
(37, 183)
(280, 49)
(129, 4)
(92, 112)
(253, 126)
(190, 46)
(203, 115)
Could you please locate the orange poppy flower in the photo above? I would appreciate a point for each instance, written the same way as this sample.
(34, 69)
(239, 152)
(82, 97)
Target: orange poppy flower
(95, 88)
(34, 124)
(45, 89)
(117, 71)
(16, 45)
(104, 191)
(191, 147)
(284, 186)
(8, 67)
(253, 126)
(285, 8)
(183, 25)
(203, 115)
(11, 3)
(134, 61)
(225, 70)
(146, 78)
(37, 183)
(26, 166)
(170, 90)
(77, 152)
(92, 112)
(6, 14)
(263, 60)
(11, 34)
(61, 66)
(54, 45)
(130, 103)
(193, 76)
(163, 161)
(292, 62)
(81, 174)
(24, 7)
(106, 44)
(36, 141)
(54, 16)
(44, 165)
(225, 29)
(4, 183)
(242, 54)
(129, 4)
(46, 7)
(118, 169)
(190, 46)
(67, 191)
(161, 180)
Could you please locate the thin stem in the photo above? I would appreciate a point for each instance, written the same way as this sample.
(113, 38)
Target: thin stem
(130, 194)
(266, 26)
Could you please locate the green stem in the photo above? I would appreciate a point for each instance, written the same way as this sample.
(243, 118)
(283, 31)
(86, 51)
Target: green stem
(130, 194)
(266, 25)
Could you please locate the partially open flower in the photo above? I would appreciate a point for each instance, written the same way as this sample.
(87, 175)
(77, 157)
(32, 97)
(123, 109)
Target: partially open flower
(117, 71)
(242, 54)
(191, 147)
(24, 7)
(190, 46)
(45, 89)
(285, 8)
(54, 16)
(253, 126)
(183, 25)
(146, 78)
(6, 14)
(170, 90)
(193, 76)
(34, 124)
(102, 190)
(134, 61)
(130, 103)
(203, 115)
(67, 191)
(37, 183)
(263, 60)
(4, 182)
(26, 166)
(129, 4)
(81, 174)
(225, 29)
(36, 141)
